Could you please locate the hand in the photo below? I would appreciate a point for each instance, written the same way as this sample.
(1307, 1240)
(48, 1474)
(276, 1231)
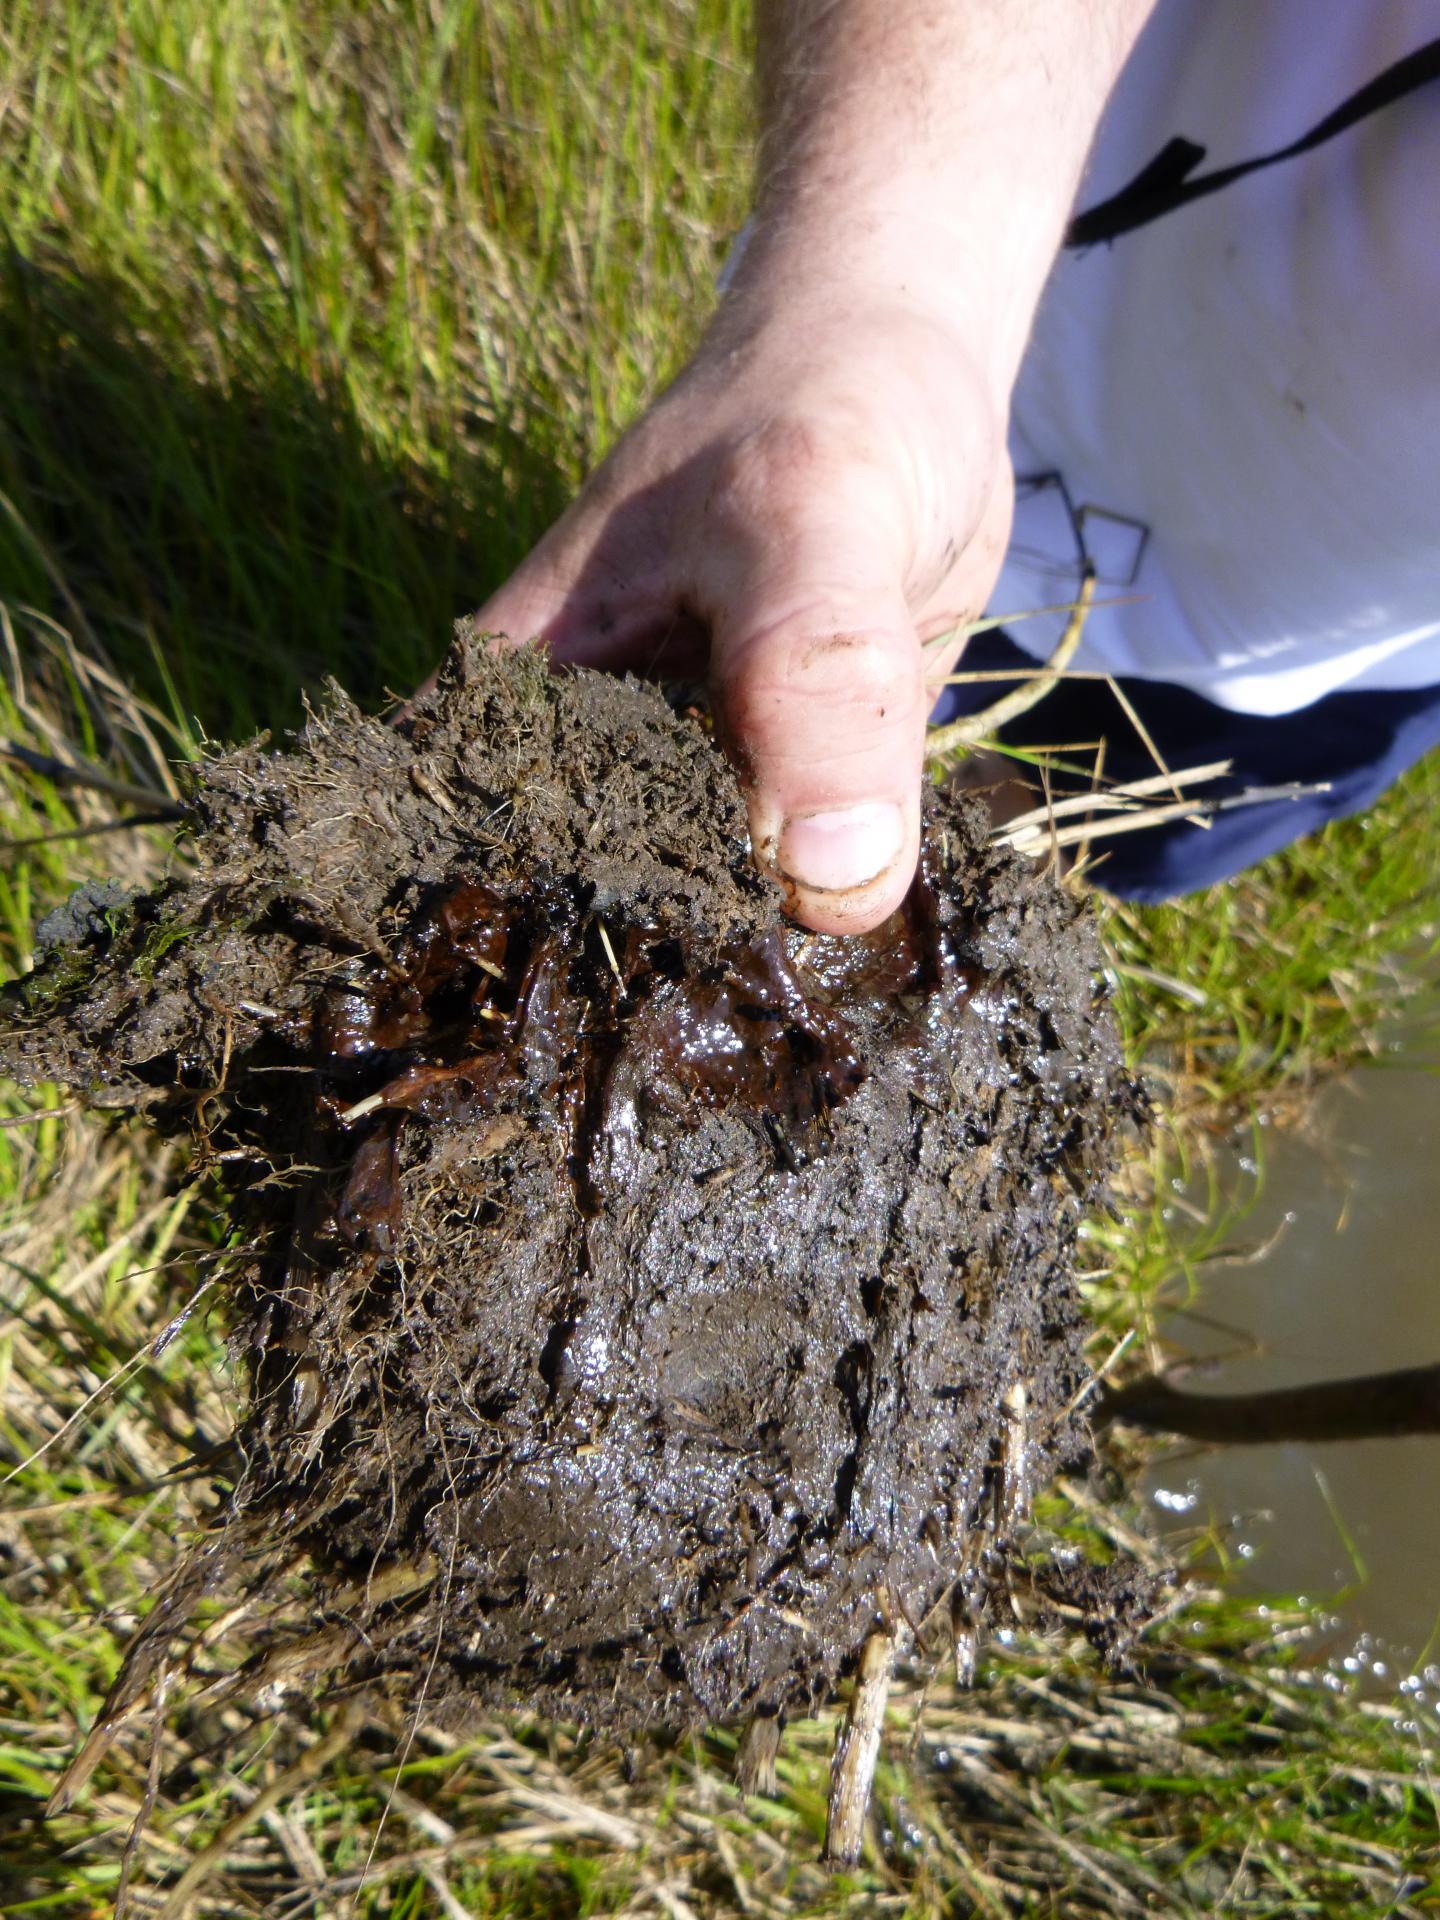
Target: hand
(821, 488)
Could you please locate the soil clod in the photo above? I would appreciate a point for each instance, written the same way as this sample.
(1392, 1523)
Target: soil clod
(682, 1289)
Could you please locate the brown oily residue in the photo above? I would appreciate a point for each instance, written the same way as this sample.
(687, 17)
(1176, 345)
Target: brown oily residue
(493, 1000)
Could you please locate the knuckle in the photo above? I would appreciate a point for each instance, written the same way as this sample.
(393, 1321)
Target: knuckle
(852, 669)
(837, 667)
(829, 696)
(771, 470)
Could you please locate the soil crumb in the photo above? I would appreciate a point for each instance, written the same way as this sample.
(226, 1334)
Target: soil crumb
(645, 1298)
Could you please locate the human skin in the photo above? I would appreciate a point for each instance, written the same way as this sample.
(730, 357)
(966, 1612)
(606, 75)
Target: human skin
(825, 485)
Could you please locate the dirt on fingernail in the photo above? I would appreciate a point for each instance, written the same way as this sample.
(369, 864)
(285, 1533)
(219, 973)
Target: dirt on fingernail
(637, 1297)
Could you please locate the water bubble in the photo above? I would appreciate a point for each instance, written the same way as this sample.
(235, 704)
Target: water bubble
(1174, 1502)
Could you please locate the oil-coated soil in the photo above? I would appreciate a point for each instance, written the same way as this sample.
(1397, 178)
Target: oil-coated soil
(676, 1292)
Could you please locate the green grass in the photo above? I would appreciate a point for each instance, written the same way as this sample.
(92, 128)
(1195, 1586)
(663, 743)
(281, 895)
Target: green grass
(311, 316)
(1246, 992)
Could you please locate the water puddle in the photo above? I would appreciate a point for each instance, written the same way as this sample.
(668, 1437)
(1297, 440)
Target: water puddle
(1345, 1280)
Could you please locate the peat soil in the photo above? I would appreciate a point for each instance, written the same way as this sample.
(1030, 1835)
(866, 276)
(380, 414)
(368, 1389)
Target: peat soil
(640, 1299)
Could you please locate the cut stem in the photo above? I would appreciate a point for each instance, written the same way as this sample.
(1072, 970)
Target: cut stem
(852, 1772)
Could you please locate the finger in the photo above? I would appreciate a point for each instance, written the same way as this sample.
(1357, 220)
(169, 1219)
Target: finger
(964, 592)
(531, 606)
(596, 592)
(821, 690)
(563, 595)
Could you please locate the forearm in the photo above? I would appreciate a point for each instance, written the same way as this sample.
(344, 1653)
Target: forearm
(929, 149)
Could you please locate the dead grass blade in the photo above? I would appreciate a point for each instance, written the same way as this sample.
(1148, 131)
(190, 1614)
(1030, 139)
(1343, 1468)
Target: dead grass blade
(960, 735)
(309, 1767)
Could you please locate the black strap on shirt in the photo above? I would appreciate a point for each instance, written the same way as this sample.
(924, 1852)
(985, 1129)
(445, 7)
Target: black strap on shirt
(1169, 181)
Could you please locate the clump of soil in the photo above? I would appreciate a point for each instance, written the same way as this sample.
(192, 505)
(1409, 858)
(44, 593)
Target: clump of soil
(645, 1297)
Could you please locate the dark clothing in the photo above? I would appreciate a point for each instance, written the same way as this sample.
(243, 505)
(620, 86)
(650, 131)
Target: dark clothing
(1360, 743)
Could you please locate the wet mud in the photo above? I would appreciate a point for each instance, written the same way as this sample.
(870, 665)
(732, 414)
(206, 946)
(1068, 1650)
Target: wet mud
(644, 1299)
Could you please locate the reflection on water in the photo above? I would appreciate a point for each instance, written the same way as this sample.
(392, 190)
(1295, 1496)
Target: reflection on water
(1350, 1286)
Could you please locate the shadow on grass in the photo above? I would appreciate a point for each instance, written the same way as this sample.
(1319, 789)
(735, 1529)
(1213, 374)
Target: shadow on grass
(234, 535)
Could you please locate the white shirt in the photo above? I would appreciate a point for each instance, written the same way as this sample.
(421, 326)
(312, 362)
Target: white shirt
(1255, 377)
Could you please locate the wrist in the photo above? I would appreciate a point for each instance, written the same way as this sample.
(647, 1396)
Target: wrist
(816, 269)
(932, 153)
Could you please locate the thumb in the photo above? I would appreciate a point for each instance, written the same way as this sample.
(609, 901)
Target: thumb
(820, 685)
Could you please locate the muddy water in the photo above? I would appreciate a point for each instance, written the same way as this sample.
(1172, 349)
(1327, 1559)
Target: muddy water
(1348, 1282)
